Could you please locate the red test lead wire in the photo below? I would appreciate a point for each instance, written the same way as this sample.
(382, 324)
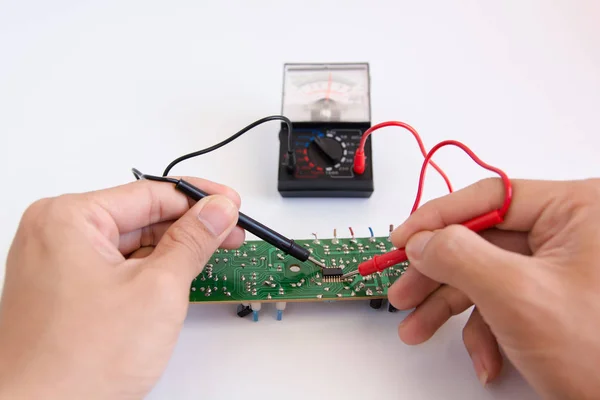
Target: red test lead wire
(360, 159)
(477, 224)
(505, 181)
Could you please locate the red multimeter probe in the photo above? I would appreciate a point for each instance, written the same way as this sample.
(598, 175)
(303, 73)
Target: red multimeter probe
(477, 224)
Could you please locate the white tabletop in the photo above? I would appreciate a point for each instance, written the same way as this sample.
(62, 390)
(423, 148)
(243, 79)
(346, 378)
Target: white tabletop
(90, 89)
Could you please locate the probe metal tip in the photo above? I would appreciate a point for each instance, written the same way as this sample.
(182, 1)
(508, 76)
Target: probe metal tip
(350, 274)
(316, 262)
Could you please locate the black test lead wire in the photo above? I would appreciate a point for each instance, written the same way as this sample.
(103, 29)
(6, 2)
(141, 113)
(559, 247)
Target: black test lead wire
(291, 156)
(267, 234)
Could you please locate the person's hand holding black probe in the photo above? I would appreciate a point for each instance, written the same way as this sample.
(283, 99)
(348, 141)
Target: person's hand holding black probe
(97, 288)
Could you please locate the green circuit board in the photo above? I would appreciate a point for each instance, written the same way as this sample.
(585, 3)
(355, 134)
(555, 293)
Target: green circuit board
(259, 272)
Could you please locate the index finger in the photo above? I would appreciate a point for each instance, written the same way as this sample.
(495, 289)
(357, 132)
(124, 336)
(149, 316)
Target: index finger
(530, 198)
(142, 203)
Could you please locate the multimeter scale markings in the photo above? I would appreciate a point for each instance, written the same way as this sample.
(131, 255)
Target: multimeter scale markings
(325, 153)
(329, 105)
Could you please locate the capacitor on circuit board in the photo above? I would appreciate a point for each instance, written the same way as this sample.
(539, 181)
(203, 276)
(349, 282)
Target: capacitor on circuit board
(280, 306)
(255, 309)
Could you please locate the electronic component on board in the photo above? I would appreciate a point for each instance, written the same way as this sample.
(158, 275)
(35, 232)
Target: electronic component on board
(258, 275)
(376, 303)
(244, 310)
(332, 272)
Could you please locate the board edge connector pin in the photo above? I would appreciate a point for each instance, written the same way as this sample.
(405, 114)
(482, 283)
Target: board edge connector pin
(372, 239)
(391, 230)
(280, 306)
(335, 239)
(255, 309)
(316, 241)
(352, 238)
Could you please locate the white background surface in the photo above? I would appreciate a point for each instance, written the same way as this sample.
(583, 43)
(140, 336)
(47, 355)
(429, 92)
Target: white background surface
(90, 89)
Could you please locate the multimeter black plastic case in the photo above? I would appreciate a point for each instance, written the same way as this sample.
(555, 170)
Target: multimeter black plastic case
(357, 186)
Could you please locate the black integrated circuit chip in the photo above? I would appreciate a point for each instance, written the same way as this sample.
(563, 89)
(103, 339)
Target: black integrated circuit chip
(332, 272)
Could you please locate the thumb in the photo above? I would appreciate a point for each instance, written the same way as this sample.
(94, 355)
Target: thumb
(188, 244)
(461, 258)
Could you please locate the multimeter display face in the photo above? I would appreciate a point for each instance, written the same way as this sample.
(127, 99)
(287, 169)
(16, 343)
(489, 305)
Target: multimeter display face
(326, 92)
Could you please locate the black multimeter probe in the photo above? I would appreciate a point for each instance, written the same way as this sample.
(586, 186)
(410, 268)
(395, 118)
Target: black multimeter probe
(267, 234)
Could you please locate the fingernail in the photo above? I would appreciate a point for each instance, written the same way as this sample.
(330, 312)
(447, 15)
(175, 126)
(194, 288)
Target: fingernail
(217, 214)
(416, 244)
(480, 370)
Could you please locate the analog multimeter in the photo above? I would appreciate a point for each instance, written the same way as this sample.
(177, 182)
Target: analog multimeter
(329, 106)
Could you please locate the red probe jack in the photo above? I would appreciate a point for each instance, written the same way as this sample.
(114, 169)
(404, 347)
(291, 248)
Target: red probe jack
(359, 161)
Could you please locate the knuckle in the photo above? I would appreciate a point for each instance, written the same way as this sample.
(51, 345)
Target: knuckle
(491, 185)
(165, 286)
(233, 195)
(451, 301)
(162, 280)
(426, 217)
(588, 191)
(488, 183)
(445, 307)
(427, 208)
(182, 236)
(44, 215)
(62, 209)
(578, 200)
(447, 243)
(155, 209)
(148, 236)
(35, 211)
